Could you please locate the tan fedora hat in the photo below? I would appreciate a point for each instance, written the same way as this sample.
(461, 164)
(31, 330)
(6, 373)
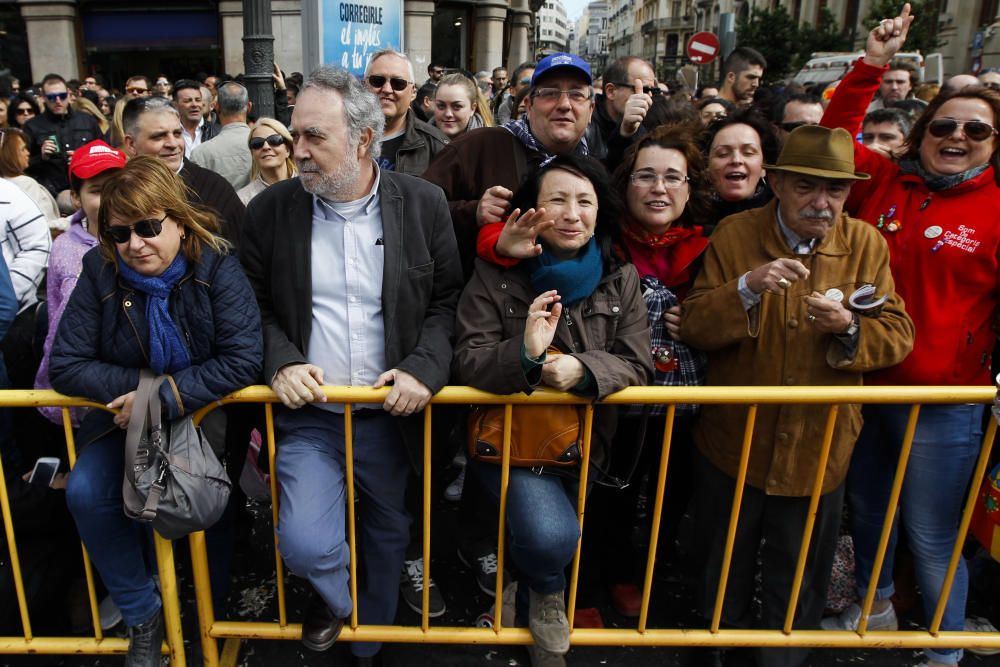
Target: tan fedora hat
(819, 151)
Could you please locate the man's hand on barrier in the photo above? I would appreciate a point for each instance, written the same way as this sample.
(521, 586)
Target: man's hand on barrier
(298, 384)
(562, 372)
(124, 402)
(777, 276)
(408, 394)
(492, 205)
(827, 315)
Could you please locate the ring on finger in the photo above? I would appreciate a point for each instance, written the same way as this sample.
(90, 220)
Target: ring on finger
(811, 317)
(783, 283)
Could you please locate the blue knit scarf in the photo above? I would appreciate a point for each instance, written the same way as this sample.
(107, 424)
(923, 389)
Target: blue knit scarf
(167, 353)
(574, 279)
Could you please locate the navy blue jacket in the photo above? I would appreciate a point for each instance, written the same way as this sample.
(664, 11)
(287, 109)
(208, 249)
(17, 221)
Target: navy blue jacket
(103, 337)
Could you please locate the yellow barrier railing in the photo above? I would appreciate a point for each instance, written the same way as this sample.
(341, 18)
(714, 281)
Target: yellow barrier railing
(98, 644)
(642, 635)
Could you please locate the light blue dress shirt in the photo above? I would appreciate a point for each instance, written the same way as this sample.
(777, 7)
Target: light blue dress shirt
(348, 257)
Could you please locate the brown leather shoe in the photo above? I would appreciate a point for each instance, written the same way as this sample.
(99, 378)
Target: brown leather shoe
(320, 628)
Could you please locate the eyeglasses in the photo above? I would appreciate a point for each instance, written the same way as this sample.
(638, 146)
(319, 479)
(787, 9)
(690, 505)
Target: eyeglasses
(162, 82)
(576, 95)
(145, 229)
(24, 111)
(975, 130)
(52, 97)
(648, 179)
(652, 91)
(136, 91)
(376, 81)
(274, 140)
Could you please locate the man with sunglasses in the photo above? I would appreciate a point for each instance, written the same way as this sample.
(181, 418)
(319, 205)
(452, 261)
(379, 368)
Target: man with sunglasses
(226, 154)
(622, 96)
(55, 134)
(409, 143)
(799, 110)
(137, 86)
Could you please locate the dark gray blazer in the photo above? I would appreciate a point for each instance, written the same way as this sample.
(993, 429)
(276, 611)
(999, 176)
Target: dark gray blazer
(421, 282)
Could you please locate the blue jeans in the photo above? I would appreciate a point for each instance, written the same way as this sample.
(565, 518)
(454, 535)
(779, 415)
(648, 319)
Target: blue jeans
(541, 522)
(312, 519)
(945, 447)
(116, 544)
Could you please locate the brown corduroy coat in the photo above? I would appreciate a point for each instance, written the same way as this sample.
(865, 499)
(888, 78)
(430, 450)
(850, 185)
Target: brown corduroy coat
(774, 344)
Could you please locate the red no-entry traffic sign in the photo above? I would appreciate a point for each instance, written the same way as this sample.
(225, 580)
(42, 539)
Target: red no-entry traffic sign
(703, 48)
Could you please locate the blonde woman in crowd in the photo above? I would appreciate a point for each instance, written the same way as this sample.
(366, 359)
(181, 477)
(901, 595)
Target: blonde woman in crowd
(271, 148)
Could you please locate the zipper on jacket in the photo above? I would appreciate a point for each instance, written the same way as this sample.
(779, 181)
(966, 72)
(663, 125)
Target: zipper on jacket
(927, 202)
(126, 304)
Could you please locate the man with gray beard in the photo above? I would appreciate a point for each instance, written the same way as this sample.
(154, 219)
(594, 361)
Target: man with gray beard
(357, 275)
(773, 306)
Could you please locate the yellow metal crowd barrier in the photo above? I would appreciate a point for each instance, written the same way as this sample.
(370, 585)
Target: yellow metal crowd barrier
(212, 629)
(97, 644)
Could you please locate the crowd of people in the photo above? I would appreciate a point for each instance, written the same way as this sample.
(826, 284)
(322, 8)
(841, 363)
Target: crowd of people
(549, 229)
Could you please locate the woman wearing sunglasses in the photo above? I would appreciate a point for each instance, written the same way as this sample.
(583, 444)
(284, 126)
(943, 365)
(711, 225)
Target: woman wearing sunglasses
(161, 291)
(22, 109)
(937, 210)
(271, 149)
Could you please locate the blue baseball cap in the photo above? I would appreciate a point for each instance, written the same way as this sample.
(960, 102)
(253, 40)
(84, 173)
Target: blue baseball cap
(559, 61)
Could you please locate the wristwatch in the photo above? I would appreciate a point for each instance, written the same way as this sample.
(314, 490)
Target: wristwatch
(854, 326)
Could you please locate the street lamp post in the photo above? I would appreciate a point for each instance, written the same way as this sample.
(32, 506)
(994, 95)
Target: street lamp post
(258, 55)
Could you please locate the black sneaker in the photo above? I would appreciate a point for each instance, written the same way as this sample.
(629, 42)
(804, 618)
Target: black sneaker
(482, 560)
(144, 642)
(411, 587)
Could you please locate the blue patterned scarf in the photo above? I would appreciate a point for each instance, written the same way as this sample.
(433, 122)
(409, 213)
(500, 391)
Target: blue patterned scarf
(520, 129)
(938, 183)
(167, 353)
(574, 279)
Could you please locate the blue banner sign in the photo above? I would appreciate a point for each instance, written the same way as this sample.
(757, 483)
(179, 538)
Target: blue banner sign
(354, 31)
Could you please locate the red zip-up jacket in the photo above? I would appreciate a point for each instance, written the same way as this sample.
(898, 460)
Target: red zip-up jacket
(944, 256)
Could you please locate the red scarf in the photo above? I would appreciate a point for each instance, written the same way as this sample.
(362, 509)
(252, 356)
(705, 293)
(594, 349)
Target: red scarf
(667, 256)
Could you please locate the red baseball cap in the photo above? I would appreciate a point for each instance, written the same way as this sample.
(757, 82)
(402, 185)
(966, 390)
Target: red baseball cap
(94, 158)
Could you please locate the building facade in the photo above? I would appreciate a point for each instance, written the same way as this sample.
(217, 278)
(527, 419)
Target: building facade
(118, 38)
(552, 29)
(592, 44)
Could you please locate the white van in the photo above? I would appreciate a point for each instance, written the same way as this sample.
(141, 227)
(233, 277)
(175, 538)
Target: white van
(827, 67)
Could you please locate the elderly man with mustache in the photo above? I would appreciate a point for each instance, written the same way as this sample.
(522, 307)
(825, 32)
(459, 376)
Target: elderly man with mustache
(773, 306)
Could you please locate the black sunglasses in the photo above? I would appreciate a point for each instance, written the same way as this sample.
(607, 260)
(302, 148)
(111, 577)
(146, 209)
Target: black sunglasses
(52, 97)
(146, 229)
(788, 127)
(976, 130)
(652, 91)
(274, 140)
(376, 81)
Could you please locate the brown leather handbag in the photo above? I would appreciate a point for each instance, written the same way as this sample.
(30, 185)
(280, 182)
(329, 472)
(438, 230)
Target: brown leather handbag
(540, 435)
